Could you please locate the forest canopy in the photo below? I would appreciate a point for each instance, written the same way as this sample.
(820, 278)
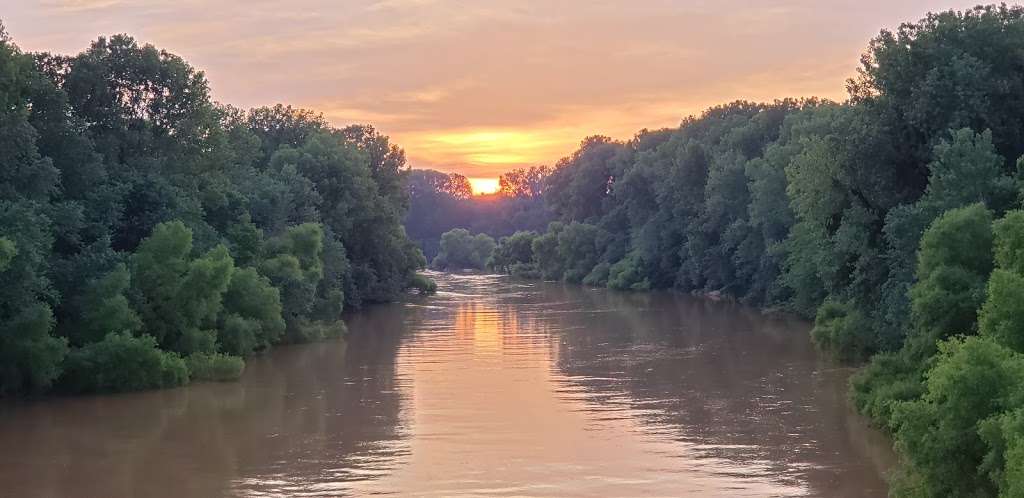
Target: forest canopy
(149, 236)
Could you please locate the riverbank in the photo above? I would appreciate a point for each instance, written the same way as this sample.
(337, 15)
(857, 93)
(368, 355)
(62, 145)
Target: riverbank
(493, 384)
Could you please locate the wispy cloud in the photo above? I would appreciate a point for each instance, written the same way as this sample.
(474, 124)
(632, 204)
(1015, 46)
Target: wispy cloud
(385, 5)
(70, 6)
(482, 86)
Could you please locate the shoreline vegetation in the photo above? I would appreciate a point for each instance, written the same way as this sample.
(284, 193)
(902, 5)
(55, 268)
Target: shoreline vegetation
(893, 220)
(150, 237)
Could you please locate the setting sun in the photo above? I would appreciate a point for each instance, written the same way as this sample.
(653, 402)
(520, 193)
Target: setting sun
(484, 186)
(554, 209)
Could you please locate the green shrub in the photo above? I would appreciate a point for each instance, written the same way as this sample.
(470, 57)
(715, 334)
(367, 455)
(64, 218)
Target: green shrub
(943, 437)
(239, 336)
(579, 249)
(423, 284)
(944, 303)
(841, 329)
(1004, 462)
(1009, 241)
(30, 358)
(526, 270)
(628, 274)
(460, 249)
(316, 330)
(106, 309)
(598, 277)
(122, 362)
(181, 295)
(1002, 316)
(252, 314)
(511, 250)
(214, 366)
(886, 381)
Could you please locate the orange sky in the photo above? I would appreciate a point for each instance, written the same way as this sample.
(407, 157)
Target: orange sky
(480, 87)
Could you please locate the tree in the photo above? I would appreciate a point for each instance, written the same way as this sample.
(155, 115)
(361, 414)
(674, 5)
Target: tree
(245, 240)
(351, 206)
(964, 170)
(106, 309)
(252, 317)
(973, 379)
(629, 273)
(954, 262)
(386, 162)
(953, 265)
(294, 264)
(440, 202)
(512, 250)
(840, 328)
(118, 154)
(947, 71)
(460, 249)
(545, 252)
(122, 362)
(577, 186)
(579, 248)
(283, 126)
(523, 182)
(141, 102)
(181, 296)
(30, 358)
(1002, 316)
(457, 186)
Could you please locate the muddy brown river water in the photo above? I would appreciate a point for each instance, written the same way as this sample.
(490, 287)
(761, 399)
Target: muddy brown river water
(493, 387)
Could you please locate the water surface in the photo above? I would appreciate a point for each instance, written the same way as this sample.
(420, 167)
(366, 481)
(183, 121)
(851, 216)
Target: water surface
(492, 387)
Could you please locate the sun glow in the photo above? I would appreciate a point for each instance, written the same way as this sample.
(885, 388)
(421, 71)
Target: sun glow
(483, 186)
(488, 152)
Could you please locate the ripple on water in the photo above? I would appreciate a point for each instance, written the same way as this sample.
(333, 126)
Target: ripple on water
(493, 387)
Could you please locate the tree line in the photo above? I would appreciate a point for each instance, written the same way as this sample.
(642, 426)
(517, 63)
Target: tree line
(893, 219)
(149, 236)
(440, 202)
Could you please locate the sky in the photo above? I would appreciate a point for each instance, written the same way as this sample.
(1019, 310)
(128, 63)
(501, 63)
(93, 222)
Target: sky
(482, 87)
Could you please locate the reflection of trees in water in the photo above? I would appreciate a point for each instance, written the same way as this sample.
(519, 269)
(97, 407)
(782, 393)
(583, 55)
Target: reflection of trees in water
(306, 418)
(726, 381)
(744, 392)
(486, 309)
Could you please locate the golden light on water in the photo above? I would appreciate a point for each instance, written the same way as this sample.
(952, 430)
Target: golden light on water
(485, 327)
(483, 186)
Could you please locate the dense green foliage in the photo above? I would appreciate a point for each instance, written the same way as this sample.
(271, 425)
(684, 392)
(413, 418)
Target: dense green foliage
(252, 318)
(874, 216)
(214, 366)
(423, 284)
(460, 250)
(148, 233)
(512, 250)
(122, 362)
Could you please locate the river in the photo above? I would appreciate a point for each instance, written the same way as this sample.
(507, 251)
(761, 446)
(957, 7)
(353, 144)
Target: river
(493, 387)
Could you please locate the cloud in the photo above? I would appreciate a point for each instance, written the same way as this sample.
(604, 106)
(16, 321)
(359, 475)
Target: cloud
(482, 86)
(423, 96)
(70, 6)
(347, 115)
(385, 5)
